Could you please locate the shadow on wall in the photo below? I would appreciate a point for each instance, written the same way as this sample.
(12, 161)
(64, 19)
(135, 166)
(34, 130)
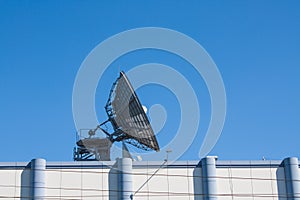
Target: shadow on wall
(197, 180)
(113, 182)
(280, 177)
(25, 183)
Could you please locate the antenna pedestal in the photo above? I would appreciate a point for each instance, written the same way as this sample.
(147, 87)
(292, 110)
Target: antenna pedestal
(93, 149)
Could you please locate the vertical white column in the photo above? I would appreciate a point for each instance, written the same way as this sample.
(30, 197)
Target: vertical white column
(125, 178)
(292, 178)
(37, 182)
(209, 181)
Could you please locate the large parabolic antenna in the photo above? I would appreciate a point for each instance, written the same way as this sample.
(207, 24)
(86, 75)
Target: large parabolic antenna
(129, 122)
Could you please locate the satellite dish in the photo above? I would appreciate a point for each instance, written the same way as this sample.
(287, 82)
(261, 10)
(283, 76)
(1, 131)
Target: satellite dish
(129, 122)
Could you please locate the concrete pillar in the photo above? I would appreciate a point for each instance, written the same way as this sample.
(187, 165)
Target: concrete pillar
(125, 178)
(37, 176)
(292, 178)
(209, 181)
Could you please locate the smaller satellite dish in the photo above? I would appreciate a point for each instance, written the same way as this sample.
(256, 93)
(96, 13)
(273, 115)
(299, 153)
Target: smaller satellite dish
(145, 109)
(139, 158)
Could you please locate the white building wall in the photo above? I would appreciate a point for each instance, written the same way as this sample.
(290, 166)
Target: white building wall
(176, 182)
(180, 180)
(248, 183)
(77, 183)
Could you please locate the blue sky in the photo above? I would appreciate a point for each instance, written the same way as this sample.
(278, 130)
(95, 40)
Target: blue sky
(255, 45)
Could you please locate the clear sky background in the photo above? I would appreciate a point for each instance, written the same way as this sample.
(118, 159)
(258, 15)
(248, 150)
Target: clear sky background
(255, 44)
